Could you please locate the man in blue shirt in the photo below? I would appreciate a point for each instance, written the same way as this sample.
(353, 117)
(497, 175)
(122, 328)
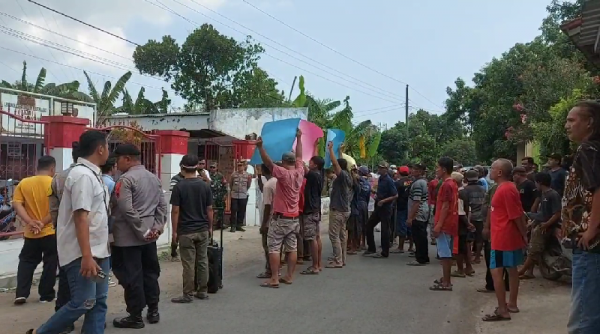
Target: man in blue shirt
(108, 172)
(386, 195)
(482, 180)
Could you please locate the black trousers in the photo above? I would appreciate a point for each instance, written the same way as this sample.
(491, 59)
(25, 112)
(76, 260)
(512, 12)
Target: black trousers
(64, 294)
(489, 281)
(238, 211)
(33, 252)
(137, 269)
(419, 235)
(383, 215)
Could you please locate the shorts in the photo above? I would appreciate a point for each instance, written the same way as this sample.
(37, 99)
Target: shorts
(283, 232)
(463, 243)
(537, 242)
(402, 230)
(478, 231)
(506, 259)
(312, 225)
(445, 245)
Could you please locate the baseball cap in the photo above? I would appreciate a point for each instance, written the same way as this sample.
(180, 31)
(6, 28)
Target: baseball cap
(393, 166)
(383, 164)
(127, 150)
(288, 157)
(472, 175)
(363, 170)
(555, 156)
(419, 166)
(403, 170)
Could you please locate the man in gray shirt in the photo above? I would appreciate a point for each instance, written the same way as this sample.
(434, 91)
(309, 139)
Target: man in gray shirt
(418, 215)
(339, 209)
(140, 215)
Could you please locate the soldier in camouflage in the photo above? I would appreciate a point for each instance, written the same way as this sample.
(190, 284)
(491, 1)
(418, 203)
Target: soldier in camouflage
(218, 186)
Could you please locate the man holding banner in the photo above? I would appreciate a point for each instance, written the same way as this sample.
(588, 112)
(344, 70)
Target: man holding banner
(284, 226)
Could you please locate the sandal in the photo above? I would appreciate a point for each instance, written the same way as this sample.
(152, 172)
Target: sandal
(439, 281)
(439, 287)
(333, 265)
(415, 264)
(263, 275)
(285, 281)
(471, 273)
(484, 290)
(269, 285)
(495, 317)
(457, 274)
(309, 271)
(351, 253)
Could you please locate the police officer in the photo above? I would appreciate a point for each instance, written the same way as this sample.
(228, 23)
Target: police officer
(139, 218)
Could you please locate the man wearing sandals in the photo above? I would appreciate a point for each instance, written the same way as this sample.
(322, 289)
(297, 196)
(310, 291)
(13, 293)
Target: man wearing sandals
(268, 192)
(284, 226)
(509, 238)
(446, 222)
(312, 213)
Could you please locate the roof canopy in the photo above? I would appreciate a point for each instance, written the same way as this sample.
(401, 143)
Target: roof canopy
(584, 31)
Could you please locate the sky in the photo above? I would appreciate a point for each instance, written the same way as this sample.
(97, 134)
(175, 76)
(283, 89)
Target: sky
(368, 50)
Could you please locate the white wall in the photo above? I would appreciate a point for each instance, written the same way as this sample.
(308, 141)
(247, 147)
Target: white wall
(173, 121)
(241, 122)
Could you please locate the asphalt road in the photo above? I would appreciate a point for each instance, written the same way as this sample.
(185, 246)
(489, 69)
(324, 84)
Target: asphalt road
(368, 295)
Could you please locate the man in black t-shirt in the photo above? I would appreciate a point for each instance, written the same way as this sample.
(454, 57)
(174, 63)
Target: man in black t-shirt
(191, 219)
(557, 173)
(311, 214)
(402, 230)
(526, 187)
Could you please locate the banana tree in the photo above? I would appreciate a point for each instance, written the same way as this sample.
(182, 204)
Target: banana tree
(142, 105)
(105, 102)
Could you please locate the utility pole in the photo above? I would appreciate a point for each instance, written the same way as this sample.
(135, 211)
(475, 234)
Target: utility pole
(406, 120)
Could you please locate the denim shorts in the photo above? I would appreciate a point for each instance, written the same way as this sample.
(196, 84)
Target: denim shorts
(402, 230)
(445, 245)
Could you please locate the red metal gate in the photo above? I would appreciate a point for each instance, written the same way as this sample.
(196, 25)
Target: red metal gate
(22, 143)
(149, 144)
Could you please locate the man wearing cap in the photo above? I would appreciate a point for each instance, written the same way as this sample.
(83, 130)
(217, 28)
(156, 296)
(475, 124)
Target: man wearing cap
(386, 194)
(558, 174)
(140, 216)
(285, 224)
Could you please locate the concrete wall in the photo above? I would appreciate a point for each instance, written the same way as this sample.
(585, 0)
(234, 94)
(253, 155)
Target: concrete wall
(240, 122)
(173, 121)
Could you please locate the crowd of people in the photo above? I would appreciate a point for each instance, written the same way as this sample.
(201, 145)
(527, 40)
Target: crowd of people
(106, 211)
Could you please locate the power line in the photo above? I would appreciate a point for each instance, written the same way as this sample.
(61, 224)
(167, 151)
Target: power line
(27, 46)
(375, 109)
(77, 68)
(379, 112)
(278, 59)
(63, 36)
(323, 67)
(84, 23)
(45, 21)
(335, 51)
(9, 67)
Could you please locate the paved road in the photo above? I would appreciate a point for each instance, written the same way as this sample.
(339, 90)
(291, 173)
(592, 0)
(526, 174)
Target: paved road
(368, 295)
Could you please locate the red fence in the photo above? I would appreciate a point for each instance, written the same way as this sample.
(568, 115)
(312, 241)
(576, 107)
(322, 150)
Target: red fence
(149, 144)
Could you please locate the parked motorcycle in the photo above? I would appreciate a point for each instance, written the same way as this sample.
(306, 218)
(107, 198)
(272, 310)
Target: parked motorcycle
(7, 211)
(557, 259)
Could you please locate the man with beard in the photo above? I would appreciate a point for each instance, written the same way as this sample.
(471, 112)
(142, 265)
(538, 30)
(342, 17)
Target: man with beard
(580, 216)
(140, 216)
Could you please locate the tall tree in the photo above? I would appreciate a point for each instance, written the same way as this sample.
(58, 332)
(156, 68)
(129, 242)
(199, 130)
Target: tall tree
(210, 69)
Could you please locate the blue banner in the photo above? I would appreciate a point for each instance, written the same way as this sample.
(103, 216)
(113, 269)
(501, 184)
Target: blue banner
(278, 138)
(337, 136)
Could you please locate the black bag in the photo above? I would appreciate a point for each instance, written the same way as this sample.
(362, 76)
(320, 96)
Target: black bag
(215, 261)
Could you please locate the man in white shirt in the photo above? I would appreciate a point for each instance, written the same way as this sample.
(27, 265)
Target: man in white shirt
(82, 238)
(268, 190)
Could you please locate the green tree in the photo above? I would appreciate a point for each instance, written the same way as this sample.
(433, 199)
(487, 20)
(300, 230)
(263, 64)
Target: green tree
(210, 69)
(105, 102)
(461, 150)
(142, 105)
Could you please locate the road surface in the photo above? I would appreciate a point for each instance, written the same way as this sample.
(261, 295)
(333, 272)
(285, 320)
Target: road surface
(368, 295)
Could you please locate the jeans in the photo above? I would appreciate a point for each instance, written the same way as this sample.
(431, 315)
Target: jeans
(489, 281)
(87, 298)
(238, 211)
(383, 215)
(33, 252)
(585, 293)
(419, 235)
(194, 259)
(137, 269)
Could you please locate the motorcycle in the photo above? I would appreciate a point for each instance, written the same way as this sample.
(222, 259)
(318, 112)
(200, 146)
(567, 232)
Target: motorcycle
(7, 213)
(557, 259)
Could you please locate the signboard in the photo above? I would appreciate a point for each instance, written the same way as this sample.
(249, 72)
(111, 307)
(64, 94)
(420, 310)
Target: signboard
(13, 149)
(25, 107)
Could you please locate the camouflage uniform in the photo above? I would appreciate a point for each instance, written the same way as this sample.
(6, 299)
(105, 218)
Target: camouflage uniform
(218, 186)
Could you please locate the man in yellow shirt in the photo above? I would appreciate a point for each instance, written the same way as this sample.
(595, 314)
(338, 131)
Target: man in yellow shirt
(31, 204)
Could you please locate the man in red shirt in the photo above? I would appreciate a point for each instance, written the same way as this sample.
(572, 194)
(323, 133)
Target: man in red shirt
(446, 221)
(284, 226)
(508, 236)
(431, 199)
